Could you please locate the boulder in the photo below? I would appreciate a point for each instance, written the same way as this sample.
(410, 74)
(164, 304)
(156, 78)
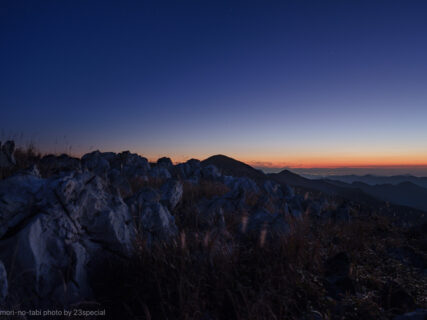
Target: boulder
(132, 165)
(100, 211)
(194, 165)
(165, 162)
(97, 162)
(62, 229)
(18, 196)
(234, 202)
(189, 170)
(155, 223)
(7, 159)
(50, 261)
(144, 196)
(180, 171)
(210, 172)
(171, 192)
(242, 185)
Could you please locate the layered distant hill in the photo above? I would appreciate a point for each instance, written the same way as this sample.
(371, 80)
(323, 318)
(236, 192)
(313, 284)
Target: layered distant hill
(375, 180)
(403, 190)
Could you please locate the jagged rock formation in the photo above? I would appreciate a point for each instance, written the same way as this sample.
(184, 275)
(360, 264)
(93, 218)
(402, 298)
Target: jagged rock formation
(172, 192)
(54, 230)
(155, 222)
(58, 227)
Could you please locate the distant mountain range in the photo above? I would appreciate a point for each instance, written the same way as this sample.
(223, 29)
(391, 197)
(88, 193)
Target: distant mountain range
(375, 180)
(404, 193)
(385, 171)
(402, 190)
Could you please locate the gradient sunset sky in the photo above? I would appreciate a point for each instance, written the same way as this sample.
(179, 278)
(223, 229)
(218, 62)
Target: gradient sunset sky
(273, 83)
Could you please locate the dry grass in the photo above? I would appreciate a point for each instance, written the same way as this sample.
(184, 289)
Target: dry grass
(187, 213)
(139, 182)
(204, 189)
(200, 276)
(25, 157)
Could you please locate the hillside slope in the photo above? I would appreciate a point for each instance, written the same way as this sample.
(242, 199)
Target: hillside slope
(405, 193)
(233, 167)
(374, 180)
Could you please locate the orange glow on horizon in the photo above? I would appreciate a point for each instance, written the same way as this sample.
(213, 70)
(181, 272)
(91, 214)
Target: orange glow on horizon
(337, 163)
(301, 159)
(344, 162)
(332, 165)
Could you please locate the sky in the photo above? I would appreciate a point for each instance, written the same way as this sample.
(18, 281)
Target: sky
(299, 84)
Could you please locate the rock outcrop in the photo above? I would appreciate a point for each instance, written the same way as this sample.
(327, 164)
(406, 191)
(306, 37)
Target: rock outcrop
(171, 192)
(189, 170)
(165, 162)
(58, 227)
(154, 221)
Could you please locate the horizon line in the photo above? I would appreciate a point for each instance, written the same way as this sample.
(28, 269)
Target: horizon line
(252, 163)
(388, 166)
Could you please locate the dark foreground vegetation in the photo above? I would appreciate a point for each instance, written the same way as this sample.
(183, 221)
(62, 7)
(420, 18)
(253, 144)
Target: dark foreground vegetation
(366, 269)
(363, 264)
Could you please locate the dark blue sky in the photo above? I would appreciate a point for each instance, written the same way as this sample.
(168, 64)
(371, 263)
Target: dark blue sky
(298, 83)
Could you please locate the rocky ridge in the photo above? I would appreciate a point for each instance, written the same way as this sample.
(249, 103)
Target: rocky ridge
(63, 218)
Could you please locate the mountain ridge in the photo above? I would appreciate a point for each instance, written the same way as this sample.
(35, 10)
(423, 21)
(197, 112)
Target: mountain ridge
(377, 179)
(404, 193)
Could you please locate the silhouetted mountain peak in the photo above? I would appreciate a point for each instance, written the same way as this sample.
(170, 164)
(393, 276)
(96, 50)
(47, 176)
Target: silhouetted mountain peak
(223, 159)
(233, 167)
(288, 172)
